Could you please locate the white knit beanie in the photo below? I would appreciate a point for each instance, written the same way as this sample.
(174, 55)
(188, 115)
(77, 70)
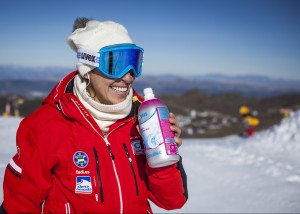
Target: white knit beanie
(96, 35)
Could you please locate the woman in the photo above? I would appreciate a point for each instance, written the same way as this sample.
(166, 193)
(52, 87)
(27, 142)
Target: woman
(81, 150)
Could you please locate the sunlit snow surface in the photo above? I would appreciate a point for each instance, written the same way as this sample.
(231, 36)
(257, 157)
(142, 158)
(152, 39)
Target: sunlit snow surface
(232, 174)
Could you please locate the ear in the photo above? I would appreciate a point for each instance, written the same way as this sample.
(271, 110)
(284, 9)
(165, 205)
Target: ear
(87, 78)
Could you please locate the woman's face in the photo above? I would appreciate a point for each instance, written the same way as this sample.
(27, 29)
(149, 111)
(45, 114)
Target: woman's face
(110, 91)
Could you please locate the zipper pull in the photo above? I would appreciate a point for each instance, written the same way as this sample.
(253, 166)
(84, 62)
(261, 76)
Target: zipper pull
(108, 146)
(127, 153)
(104, 134)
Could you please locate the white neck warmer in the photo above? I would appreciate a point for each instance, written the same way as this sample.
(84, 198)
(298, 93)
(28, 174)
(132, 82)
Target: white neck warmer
(104, 115)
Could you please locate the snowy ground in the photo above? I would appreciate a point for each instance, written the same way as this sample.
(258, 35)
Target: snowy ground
(231, 174)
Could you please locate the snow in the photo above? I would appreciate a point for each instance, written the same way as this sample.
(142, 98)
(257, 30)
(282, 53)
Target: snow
(231, 174)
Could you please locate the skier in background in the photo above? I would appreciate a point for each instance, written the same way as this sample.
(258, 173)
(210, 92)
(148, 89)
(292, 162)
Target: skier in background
(7, 111)
(286, 112)
(250, 120)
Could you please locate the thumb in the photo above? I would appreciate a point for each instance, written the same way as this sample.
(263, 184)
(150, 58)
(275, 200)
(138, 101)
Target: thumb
(138, 129)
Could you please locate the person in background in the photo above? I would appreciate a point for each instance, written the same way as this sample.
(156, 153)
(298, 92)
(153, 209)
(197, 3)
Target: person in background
(81, 151)
(7, 110)
(250, 120)
(286, 112)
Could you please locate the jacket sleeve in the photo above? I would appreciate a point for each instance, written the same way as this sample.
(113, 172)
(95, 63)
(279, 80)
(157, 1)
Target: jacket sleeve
(168, 186)
(26, 180)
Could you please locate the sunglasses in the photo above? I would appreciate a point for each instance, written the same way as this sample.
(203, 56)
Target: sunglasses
(116, 60)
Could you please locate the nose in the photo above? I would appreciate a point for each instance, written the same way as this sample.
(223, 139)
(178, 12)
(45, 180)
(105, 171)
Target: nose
(128, 77)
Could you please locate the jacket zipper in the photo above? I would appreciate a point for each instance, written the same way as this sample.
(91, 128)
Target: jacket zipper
(132, 169)
(115, 170)
(98, 174)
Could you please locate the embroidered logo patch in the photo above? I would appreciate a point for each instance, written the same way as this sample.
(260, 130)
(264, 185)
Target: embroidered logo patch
(138, 148)
(83, 185)
(80, 159)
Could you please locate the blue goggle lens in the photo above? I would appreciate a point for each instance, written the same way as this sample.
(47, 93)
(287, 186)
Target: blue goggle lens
(117, 60)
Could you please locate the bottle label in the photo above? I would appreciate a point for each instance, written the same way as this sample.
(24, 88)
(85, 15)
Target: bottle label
(155, 130)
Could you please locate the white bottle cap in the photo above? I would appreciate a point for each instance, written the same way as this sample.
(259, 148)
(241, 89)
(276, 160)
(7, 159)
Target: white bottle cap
(148, 94)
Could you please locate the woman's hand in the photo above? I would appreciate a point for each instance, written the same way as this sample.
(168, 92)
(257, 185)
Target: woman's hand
(176, 129)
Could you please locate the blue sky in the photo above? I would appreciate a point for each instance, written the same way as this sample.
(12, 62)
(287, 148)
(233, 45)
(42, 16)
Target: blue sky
(186, 37)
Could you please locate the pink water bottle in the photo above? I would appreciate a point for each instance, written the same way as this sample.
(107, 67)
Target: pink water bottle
(160, 147)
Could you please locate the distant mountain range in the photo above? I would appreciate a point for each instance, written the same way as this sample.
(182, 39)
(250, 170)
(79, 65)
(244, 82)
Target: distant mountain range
(214, 98)
(37, 82)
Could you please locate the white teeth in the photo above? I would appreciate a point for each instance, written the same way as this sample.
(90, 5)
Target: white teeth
(120, 89)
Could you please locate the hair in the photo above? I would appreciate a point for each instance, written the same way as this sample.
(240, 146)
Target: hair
(80, 22)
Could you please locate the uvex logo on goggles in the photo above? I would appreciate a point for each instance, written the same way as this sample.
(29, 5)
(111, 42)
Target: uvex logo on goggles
(88, 57)
(116, 60)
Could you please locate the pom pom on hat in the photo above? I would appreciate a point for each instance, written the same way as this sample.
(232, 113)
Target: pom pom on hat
(96, 35)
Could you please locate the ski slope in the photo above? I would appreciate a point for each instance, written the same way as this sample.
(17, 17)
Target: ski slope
(231, 174)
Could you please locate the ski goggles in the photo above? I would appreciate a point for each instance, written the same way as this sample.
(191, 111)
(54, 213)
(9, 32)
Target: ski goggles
(116, 60)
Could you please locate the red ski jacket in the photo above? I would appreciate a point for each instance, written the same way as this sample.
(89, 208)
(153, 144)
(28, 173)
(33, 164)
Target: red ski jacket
(65, 164)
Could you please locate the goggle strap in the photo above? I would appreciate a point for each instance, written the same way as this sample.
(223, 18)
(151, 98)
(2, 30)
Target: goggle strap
(88, 57)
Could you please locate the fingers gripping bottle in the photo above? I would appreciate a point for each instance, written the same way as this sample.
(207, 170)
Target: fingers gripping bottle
(160, 147)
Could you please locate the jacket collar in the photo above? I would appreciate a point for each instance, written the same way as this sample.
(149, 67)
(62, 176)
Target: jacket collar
(63, 98)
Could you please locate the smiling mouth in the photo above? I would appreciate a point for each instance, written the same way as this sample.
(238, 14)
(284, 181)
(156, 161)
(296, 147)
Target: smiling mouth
(120, 89)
